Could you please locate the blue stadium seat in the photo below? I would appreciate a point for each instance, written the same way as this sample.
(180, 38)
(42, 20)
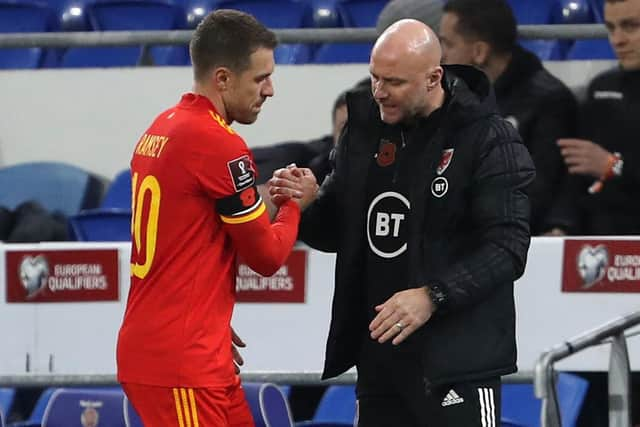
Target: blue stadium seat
(572, 12)
(597, 7)
(520, 406)
(295, 53)
(340, 53)
(56, 186)
(102, 225)
(532, 11)
(7, 394)
(336, 407)
(112, 221)
(360, 13)
(23, 17)
(121, 15)
(547, 50)
(277, 14)
(272, 13)
(118, 194)
(591, 49)
(35, 418)
(323, 14)
(268, 405)
(198, 9)
(92, 407)
(131, 417)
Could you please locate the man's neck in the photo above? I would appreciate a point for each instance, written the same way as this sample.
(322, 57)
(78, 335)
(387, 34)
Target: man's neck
(214, 96)
(496, 65)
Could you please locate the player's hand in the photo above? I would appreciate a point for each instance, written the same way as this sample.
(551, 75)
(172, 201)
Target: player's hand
(401, 315)
(294, 183)
(236, 342)
(285, 185)
(309, 187)
(584, 157)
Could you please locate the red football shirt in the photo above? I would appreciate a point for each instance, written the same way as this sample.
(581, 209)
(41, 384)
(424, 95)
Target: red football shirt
(194, 209)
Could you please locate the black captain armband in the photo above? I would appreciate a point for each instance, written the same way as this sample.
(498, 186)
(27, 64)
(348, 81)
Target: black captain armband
(243, 206)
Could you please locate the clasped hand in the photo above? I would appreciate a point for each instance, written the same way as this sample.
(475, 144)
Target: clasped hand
(292, 182)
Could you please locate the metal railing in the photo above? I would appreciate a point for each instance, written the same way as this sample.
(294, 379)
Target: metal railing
(619, 369)
(297, 35)
(278, 377)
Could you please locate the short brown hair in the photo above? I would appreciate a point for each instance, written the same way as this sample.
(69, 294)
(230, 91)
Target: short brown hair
(227, 38)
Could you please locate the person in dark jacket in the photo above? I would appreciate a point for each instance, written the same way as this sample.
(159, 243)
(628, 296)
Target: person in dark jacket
(427, 210)
(483, 33)
(314, 154)
(602, 196)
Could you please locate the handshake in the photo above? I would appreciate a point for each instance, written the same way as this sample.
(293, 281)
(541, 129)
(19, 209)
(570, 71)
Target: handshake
(292, 182)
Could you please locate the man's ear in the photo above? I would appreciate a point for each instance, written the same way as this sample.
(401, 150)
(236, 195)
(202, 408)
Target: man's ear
(221, 78)
(435, 77)
(480, 52)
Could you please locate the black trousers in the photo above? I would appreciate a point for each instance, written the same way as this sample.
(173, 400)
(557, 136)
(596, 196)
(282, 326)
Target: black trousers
(391, 393)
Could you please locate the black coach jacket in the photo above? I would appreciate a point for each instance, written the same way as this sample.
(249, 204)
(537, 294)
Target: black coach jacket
(543, 110)
(472, 241)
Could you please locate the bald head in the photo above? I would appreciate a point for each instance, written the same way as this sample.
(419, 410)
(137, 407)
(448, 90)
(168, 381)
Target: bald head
(405, 72)
(409, 39)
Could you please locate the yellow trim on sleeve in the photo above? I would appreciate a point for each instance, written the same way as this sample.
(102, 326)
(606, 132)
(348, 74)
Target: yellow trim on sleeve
(244, 218)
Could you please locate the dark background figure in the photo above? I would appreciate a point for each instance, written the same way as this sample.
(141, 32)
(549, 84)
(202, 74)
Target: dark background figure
(313, 154)
(483, 33)
(426, 11)
(602, 193)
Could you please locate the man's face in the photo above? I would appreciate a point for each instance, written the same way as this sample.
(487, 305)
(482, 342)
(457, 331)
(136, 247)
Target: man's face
(399, 85)
(339, 120)
(249, 89)
(456, 49)
(623, 23)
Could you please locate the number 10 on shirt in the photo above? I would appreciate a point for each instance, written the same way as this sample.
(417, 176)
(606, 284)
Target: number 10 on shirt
(149, 192)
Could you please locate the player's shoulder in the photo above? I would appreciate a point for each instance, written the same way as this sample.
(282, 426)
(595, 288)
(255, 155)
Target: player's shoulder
(206, 132)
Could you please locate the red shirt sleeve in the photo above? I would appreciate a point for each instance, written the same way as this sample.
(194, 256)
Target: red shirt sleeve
(265, 246)
(228, 174)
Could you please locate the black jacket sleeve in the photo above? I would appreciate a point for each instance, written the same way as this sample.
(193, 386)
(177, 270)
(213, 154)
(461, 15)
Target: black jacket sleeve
(500, 214)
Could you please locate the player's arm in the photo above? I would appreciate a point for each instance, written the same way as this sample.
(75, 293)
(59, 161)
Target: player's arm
(263, 245)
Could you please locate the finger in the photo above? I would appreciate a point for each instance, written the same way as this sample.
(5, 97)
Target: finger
(391, 331)
(391, 323)
(236, 339)
(574, 160)
(279, 199)
(287, 192)
(578, 169)
(237, 368)
(236, 356)
(291, 165)
(286, 174)
(403, 335)
(383, 313)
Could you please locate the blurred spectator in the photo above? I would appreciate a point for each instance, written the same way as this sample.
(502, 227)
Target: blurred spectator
(427, 11)
(314, 154)
(483, 33)
(30, 222)
(602, 195)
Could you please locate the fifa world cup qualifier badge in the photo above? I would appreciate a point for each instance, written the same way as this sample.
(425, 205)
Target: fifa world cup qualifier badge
(440, 185)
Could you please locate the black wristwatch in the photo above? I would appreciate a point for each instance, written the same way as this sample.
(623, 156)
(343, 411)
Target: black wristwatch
(437, 295)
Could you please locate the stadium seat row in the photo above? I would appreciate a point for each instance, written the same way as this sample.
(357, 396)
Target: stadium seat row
(135, 15)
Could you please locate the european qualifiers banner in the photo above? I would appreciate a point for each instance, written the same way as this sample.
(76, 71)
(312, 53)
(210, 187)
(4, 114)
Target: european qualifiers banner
(62, 276)
(601, 266)
(288, 284)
